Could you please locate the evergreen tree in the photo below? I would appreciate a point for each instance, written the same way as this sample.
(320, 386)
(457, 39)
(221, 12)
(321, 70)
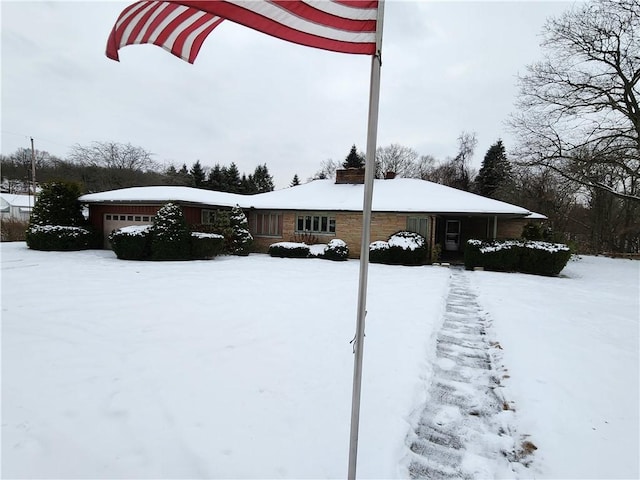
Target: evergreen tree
(170, 234)
(216, 178)
(295, 182)
(232, 179)
(354, 159)
(184, 175)
(58, 204)
(494, 172)
(198, 174)
(240, 237)
(247, 185)
(262, 180)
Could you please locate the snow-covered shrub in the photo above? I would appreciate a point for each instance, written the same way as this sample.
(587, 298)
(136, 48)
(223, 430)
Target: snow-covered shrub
(289, 250)
(407, 248)
(402, 248)
(170, 236)
(500, 256)
(56, 221)
(131, 243)
(59, 238)
(544, 258)
(378, 252)
(241, 240)
(206, 245)
(336, 250)
(540, 258)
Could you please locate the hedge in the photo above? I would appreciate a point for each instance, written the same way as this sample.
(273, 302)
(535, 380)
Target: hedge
(527, 256)
(206, 245)
(289, 250)
(132, 243)
(59, 238)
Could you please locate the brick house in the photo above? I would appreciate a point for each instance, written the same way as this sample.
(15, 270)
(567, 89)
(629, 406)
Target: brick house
(323, 209)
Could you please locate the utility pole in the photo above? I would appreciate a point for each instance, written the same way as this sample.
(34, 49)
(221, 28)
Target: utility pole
(33, 171)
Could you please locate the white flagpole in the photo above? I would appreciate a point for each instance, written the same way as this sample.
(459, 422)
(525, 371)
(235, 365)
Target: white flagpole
(370, 168)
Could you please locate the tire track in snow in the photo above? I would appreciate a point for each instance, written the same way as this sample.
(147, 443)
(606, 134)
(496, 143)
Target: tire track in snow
(466, 429)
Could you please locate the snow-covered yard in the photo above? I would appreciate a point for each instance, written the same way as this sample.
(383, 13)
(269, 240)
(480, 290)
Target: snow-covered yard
(241, 367)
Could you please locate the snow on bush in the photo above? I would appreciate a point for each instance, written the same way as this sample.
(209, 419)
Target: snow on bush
(527, 256)
(132, 242)
(289, 250)
(58, 237)
(205, 246)
(402, 248)
(336, 249)
(169, 234)
(407, 241)
(241, 239)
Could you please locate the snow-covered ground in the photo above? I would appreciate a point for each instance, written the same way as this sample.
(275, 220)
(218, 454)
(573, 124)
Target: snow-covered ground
(241, 367)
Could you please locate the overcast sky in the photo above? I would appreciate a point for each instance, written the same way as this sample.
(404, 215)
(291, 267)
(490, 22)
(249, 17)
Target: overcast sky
(249, 98)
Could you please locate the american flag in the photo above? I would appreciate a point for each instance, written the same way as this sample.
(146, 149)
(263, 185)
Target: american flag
(346, 26)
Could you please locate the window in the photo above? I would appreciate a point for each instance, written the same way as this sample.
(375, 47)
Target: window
(208, 217)
(316, 223)
(268, 224)
(418, 225)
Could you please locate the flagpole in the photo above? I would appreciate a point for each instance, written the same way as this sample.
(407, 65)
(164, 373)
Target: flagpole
(370, 167)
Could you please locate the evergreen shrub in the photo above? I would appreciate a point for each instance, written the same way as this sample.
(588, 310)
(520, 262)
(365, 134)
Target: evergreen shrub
(402, 248)
(170, 236)
(206, 245)
(527, 256)
(241, 240)
(59, 238)
(379, 252)
(131, 243)
(407, 248)
(289, 250)
(57, 222)
(336, 250)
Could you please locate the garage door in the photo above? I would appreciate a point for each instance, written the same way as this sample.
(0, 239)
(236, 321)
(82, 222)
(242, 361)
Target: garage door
(113, 221)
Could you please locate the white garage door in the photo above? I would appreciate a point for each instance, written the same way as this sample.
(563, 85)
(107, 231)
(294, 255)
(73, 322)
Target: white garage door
(114, 221)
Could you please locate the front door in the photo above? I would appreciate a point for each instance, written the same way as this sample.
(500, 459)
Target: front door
(452, 236)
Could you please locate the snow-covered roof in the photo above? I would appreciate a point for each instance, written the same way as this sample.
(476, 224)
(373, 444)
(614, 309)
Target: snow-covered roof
(17, 200)
(397, 195)
(166, 194)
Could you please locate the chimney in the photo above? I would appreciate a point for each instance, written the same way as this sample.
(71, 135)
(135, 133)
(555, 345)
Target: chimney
(389, 175)
(350, 175)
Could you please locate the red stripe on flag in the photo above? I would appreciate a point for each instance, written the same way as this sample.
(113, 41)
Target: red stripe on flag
(346, 26)
(311, 14)
(178, 29)
(281, 23)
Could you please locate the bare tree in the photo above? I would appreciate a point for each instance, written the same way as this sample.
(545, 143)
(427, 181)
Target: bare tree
(327, 170)
(401, 160)
(113, 155)
(578, 107)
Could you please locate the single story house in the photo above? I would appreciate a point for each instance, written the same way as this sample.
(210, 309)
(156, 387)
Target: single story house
(15, 206)
(323, 209)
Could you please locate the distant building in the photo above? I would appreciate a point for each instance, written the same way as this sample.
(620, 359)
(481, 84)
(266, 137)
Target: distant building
(16, 206)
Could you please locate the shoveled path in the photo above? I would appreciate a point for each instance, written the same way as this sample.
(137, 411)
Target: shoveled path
(466, 429)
